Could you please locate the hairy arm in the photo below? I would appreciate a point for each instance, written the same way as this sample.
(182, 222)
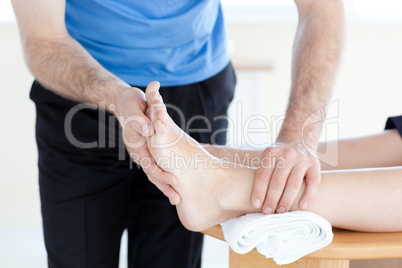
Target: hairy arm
(57, 60)
(316, 54)
(63, 66)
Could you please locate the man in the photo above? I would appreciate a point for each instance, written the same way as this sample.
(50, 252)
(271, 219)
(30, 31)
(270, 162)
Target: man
(93, 53)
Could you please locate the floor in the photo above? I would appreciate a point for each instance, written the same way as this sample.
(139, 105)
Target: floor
(22, 247)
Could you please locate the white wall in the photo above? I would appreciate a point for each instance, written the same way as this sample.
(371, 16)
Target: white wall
(19, 202)
(368, 87)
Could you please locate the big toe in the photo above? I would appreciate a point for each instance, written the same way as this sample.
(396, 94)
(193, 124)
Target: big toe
(152, 91)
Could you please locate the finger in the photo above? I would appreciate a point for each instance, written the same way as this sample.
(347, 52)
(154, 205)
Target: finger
(162, 176)
(143, 157)
(152, 111)
(137, 122)
(167, 190)
(313, 181)
(276, 187)
(261, 180)
(293, 185)
(141, 123)
(150, 167)
(133, 142)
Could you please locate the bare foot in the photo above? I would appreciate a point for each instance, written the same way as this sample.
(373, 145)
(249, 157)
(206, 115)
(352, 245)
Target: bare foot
(204, 181)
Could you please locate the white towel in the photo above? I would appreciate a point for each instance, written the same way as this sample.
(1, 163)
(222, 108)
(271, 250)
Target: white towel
(284, 237)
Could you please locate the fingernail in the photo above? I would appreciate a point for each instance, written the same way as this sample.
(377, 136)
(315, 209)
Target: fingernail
(280, 210)
(304, 205)
(267, 210)
(257, 203)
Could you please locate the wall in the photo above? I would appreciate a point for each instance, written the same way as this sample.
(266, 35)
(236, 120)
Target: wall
(19, 201)
(368, 87)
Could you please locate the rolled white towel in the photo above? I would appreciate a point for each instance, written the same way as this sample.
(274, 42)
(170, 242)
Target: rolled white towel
(284, 237)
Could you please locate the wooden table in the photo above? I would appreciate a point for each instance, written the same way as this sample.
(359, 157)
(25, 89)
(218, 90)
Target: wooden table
(346, 246)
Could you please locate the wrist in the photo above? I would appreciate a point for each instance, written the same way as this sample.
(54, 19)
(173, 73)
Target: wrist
(302, 138)
(306, 133)
(106, 95)
(123, 96)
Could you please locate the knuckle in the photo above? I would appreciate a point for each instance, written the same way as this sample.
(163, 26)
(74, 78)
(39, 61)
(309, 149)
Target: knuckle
(271, 151)
(289, 153)
(268, 150)
(265, 164)
(278, 181)
(277, 188)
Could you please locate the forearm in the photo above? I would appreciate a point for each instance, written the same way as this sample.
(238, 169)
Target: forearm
(65, 67)
(316, 54)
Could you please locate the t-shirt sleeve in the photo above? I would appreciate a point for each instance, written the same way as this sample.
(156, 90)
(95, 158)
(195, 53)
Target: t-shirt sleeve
(394, 122)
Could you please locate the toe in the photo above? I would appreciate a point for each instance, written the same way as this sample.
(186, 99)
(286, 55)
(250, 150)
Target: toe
(160, 127)
(162, 116)
(152, 90)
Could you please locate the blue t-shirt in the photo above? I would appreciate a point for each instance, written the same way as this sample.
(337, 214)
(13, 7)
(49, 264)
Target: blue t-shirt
(176, 42)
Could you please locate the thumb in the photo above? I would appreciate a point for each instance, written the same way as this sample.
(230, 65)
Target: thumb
(141, 123)
(137, 121)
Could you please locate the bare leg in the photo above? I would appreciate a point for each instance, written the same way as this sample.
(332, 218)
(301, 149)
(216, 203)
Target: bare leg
(213, 190)
(362, 199)
(379, 150)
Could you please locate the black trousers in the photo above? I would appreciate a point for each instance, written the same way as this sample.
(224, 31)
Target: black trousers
(91, 191)
(394, 122)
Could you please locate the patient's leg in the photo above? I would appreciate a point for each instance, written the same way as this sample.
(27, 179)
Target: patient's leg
(213, 190)
(379, 150)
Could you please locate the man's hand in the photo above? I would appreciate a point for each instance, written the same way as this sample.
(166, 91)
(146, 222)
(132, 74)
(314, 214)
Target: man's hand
(280, 176)
(130, 111)
(316, 53)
